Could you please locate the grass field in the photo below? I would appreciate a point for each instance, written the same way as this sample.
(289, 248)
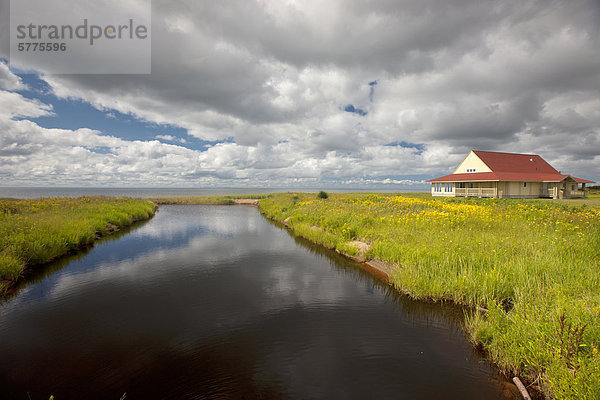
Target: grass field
(209, 200)
(37, 231)
(534, 264)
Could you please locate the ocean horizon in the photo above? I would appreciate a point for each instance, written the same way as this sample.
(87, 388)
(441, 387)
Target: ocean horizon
(40, 192)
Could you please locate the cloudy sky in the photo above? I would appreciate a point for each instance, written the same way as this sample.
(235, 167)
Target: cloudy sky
(349, 93)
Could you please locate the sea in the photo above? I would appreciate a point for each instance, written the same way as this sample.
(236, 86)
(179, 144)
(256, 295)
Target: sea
(40, 192)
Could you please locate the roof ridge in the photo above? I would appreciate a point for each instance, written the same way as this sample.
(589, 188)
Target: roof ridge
(504, 152)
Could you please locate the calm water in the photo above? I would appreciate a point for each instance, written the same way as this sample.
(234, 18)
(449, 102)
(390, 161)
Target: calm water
(217, 303)
(32, 193)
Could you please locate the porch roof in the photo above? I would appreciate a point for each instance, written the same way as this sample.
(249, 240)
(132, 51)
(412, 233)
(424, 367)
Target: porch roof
(506, 176)
(581, 180)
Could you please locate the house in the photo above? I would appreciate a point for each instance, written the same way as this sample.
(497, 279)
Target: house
(492, 174)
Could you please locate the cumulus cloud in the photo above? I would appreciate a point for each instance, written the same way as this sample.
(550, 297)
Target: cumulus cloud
(31, 154)
(314, 91)
(8, 80)
(170, 138)
(13, 105)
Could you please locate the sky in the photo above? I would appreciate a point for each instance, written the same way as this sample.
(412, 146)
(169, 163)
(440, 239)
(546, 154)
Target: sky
(339, 93)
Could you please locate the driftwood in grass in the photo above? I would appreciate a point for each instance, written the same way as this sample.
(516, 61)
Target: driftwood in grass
(521, 388)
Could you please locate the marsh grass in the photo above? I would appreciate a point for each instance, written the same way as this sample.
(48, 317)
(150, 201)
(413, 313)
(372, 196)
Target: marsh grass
(531, 263)
(38, 231)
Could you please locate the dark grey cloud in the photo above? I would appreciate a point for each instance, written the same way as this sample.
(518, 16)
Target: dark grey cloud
(398, 36)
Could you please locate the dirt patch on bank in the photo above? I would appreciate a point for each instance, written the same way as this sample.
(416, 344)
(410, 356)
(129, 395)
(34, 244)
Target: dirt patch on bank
(246, 202)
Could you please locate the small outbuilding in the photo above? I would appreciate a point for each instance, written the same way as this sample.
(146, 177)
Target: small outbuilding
(493, 174)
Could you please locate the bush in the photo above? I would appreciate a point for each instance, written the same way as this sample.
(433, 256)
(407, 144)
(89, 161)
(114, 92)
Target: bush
(322, 195)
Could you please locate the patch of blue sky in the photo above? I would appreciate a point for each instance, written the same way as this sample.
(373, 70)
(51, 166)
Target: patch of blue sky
(351, 109)
(101, 150)
(419, 147)
(372, 90)
(75, 114)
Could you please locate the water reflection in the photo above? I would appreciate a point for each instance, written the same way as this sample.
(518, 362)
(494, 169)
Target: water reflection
(215, 302)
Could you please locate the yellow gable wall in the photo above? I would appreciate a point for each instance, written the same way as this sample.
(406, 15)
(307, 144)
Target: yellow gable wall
(472, 161)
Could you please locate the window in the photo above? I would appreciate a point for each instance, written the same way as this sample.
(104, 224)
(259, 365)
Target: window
(573, 187)
(443, 187)
(470, 185)
(460, 185)
(524, 184)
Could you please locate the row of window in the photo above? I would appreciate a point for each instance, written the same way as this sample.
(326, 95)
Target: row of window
(448, 187)
(445, 187)
(470, 169)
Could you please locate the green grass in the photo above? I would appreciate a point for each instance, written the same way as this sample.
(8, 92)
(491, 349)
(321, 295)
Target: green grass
(534, 264)
(38, 231)
(209, 200)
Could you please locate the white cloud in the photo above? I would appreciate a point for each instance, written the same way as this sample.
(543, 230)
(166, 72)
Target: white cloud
(170, 138)
(165, 137)
(13, 105)
(32, 154)
(8, 80)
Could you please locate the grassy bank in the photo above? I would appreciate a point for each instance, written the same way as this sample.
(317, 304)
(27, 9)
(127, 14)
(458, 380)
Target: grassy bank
(37, 231)
(534, 264)
(207, 200)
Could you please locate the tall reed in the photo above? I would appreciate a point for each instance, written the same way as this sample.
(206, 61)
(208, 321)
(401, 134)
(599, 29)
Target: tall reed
(37, 231)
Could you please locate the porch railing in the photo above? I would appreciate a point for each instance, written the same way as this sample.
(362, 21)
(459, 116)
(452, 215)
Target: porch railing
(483, 192)
(551, 192)
(576, 193)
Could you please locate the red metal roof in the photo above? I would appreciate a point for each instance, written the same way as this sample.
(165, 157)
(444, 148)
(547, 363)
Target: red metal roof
(510, 167)
(518, 163)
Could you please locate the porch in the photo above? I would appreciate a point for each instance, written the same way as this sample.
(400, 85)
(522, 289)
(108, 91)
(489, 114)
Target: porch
(566, 189)
(570, 189)
(551, 192)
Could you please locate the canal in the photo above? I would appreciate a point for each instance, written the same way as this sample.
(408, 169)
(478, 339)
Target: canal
(216, 302)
